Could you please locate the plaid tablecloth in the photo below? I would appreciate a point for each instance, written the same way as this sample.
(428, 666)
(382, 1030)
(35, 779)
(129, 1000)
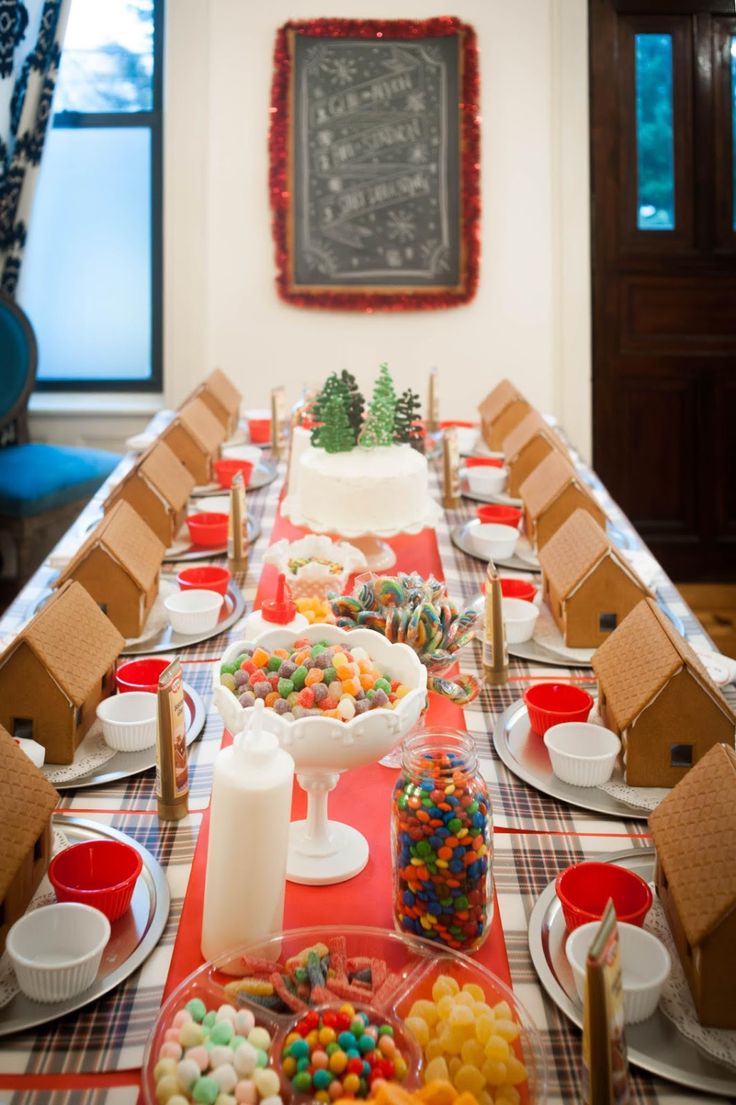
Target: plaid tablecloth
(536, 836)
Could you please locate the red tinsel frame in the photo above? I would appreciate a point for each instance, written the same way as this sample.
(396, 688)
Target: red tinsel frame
(378, 298)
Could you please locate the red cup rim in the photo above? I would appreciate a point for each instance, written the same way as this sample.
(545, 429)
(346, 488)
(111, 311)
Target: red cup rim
(206, 571)
(633, 879)
(207, 518)
(120, 847)
(529, 700)
(121, 677)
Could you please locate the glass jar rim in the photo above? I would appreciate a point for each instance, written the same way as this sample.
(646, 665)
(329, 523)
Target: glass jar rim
(455, 742)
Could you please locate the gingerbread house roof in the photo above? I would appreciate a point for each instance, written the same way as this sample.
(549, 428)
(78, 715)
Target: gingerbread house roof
(639, 658)
(73, 640)
(496, 402)
(201, 424)
(128, 541)
(531, 426)
(547, 482)
(575, 550)
(27, 800)
(694, 831)
(224, 390)
(163, 471)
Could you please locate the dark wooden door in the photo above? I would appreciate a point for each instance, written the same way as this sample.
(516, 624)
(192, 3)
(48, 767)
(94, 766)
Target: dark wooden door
(663, 150)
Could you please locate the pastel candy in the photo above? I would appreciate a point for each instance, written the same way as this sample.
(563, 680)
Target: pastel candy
(245, 1092)
(220, 1054)
(187, 1071)
(245, 1059)
(225, 1077)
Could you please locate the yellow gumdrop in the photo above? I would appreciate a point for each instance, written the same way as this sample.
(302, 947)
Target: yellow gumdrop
(454, 1066)
(503, 1011)
(482, 1009)
(469, 1080)
(494, 1072)
(419, 1029)
(453, 1042)
(427, 1010)
(451, 983)
(507, 1028)
(464, 999)
(476, 992)
(484, 1098)
(433, 1050)
(497, 1048)
(445, 1006)
(441, 987)
(473, 1053)
(437, 1069)
(508, 1095)
(484, 1028)
(460, 1015)
(515, 1071)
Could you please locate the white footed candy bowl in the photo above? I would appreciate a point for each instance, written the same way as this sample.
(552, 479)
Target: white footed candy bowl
(323, 851)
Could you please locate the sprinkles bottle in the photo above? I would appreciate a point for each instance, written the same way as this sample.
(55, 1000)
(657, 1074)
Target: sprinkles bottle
(442, 841)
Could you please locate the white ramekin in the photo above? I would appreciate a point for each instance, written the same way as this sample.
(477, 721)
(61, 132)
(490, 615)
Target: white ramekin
(492, 540)
(193, 611)
(582, 754)
(129, 720)
(56, 950)
(645, 966)
(519, 619)
(486, 479)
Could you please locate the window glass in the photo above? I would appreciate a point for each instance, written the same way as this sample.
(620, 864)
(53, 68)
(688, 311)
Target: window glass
(107, 60)
(655, 154)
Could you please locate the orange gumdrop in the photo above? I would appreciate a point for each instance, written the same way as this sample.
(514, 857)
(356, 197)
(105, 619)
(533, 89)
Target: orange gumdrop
(261, 657)
(366, 681)
(271, 698)
(314, 675)
(350, 686)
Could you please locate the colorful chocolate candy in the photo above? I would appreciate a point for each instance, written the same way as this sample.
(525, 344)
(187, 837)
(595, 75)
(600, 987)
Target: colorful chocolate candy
(442, 841)
(308, 679)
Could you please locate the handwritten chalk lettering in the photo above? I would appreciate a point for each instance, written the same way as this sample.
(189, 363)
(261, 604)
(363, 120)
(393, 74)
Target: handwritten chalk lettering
(371, 197)
(379, 92)
(386, 137)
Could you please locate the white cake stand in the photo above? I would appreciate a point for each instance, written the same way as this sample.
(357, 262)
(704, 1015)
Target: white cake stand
(379, 556)
(323, 851)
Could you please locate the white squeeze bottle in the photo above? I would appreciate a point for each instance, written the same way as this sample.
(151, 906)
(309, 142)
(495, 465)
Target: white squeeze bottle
(278, 612)
(248, 840)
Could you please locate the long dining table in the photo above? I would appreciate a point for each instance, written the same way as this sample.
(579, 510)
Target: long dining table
(94, 1056)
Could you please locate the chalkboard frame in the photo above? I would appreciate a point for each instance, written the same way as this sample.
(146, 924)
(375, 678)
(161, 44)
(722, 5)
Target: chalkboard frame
(338, 290)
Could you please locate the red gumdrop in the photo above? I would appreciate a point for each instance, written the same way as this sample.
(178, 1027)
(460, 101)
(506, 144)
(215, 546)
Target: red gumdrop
(355, 1066)
(306, 698)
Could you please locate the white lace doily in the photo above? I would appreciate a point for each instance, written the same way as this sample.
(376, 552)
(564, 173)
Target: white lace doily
(158, 618)
(639, 798)
(91, 753)
(44, 896)
(548, 636)
(677, 1004)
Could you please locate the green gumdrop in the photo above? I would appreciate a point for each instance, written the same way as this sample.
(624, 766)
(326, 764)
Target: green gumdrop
(302, 1081)
(285, 687)
(274, 663)
(205, 1091)
(382, 685)
(196, 1009)
(228, 669)
(299, 676)
(209, 1018)
(316, 649)
(222, 1032)
(330, 676)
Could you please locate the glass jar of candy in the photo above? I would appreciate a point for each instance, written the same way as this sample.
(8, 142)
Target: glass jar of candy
(442, 841)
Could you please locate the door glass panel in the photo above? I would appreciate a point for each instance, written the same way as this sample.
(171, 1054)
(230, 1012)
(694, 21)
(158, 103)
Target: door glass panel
(655, 149)
(733, 130)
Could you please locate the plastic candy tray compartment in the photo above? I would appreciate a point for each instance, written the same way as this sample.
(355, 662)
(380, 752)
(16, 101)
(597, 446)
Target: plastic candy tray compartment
(415, 962)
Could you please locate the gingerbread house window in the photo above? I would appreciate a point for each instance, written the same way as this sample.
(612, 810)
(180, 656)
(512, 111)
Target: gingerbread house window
(681, 755)
(607, 622)
(23, 727)
(38, 848)
(2, 914)
(78, 717)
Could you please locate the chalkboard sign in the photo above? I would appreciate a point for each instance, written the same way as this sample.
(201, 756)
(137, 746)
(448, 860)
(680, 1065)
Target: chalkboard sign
(380, 205)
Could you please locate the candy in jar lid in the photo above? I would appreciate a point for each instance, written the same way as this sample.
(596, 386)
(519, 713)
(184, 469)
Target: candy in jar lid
(279, 610)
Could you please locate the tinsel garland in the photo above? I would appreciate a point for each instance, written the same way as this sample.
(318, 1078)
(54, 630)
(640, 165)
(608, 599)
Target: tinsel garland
(379, 298)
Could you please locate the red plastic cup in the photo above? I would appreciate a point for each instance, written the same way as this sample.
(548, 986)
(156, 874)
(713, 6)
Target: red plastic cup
(584, 890)
(227, 468)
(446, 425)
(209, 577)
(502, 515)
(99, 873)
(208, 529)
(483, 462)
(260, 430)
(518, 589)
(551, 704)
(140, 675)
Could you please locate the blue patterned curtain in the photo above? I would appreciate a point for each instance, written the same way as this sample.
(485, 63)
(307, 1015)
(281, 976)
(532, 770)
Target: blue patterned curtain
(31, 34)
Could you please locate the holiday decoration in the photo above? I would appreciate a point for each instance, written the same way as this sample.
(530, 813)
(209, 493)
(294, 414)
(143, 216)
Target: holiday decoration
(333, 388)
(407, 422)
(354, 402)
(378, 427)
(336, 435)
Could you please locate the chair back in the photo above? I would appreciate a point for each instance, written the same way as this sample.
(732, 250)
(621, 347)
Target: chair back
(18, 360)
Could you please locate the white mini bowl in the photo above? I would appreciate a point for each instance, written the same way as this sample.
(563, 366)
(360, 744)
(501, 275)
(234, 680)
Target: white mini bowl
(519, 619)
(193, 611)
(56, 950)
(582, 754)
(645, 966)
(494, 541)
(129, 720)
(486, 479)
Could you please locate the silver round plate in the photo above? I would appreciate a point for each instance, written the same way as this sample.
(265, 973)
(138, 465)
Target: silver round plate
(461, 540)
(168, 640)
(524, 753)
(133, 936)
(264, 473)
(655, 1045)
(185, 550)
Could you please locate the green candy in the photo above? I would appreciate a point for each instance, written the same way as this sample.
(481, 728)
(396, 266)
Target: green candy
(285, 687)
(302, 1081)
(300, 974)
(205, 1091)
(332, 1048)
(222, 1032)
(208, 1020)
(424, 848)
(302, 1064)
(330, 676)
(385, 1030)
(274, 663)
(196, 1009)
(299, 676)
(261, 1057)
(454, 824)
(237, 1041)
(461, 902)
(382, 685)
(315, 650)
(229, 668)
(473, 807)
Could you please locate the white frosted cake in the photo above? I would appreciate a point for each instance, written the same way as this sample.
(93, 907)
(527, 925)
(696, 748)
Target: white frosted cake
(381, 490)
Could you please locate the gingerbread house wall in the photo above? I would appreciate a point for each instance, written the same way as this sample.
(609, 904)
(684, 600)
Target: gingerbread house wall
(607, 590)
(494, 433)
(27, 690)
(125, 604)
(194, 458)
(530, 456)
(681, 714)
(24, 885)
(159, 515)
(229, 419)
(549, 521)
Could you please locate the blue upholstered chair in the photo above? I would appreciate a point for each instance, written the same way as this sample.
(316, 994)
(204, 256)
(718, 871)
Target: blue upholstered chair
(42, 487)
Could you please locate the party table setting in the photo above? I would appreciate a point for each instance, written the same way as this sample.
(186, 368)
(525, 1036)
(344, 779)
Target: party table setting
(324, 820)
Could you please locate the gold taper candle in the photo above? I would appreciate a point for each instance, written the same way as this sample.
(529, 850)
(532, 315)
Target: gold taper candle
(278, 416)
(237, 530)
(450, 470)
(495, 656)
(433, 403)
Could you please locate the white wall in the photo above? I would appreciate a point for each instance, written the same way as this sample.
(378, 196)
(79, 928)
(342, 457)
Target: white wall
(530, 318)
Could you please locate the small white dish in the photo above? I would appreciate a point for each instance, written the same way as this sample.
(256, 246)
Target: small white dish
(251, 453)
(486, 479)
(582, 754)
(129, 720)
(56, 950)
(519, 619)
(493, 541)
(467, 439)
(645, 966)
(193, 611)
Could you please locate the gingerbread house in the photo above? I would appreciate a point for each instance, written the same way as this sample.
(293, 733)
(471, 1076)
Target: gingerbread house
(551, 494)
(56, 670)
(526, 446)
(694, 831)
(158, 488)
(501, 410)
(119, 565)
(587, 584)
(194, 435)
(655, 694)
(27, 801)
(220, 394)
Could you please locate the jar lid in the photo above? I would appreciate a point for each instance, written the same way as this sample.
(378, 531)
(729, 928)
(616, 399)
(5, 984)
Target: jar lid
(279, 610)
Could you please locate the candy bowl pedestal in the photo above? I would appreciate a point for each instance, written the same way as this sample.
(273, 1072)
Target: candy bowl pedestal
(378, 555)
(323, 851)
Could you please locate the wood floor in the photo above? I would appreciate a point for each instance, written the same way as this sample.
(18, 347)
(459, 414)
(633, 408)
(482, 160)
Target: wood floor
(715, 605)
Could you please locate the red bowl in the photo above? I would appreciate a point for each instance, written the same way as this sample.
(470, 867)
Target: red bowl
(140, 675)
(208, 529)
(260, 430)
(228, 468)
(585, 889)
(551, 704)
(207, 578)
(100, 873)
(446, 425)
(503, 515)
(483, 462)
(518, 589)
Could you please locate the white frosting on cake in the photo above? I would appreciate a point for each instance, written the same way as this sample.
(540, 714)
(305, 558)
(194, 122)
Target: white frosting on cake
(378, 490)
